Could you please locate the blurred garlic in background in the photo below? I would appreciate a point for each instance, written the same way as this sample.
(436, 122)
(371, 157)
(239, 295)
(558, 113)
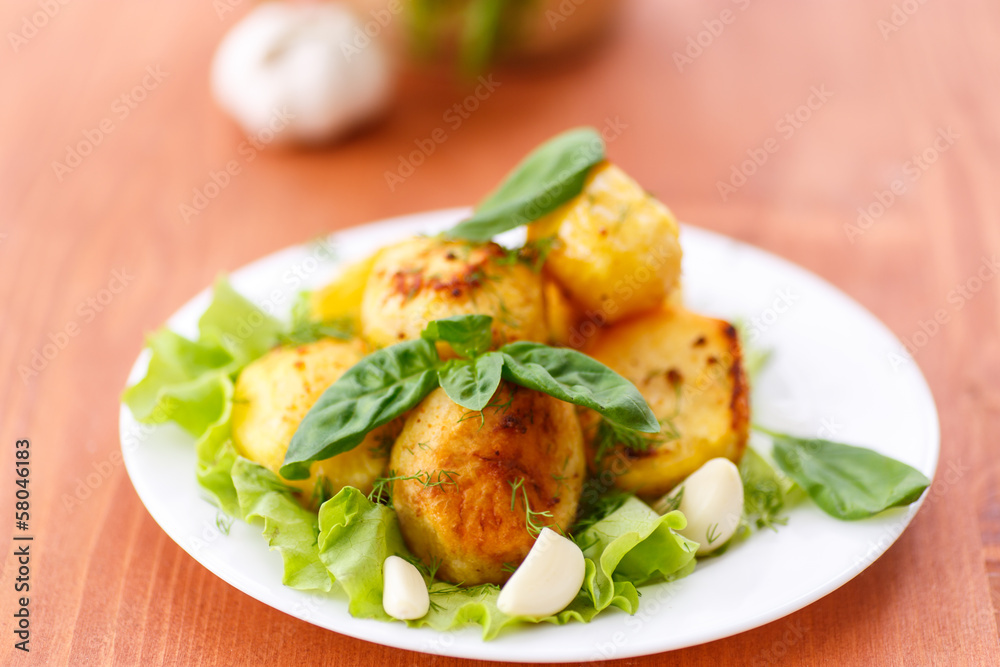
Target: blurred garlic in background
(304, 71)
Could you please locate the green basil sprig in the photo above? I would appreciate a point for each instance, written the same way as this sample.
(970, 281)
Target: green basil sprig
(550, 176)
(391, 381)
(847, 482)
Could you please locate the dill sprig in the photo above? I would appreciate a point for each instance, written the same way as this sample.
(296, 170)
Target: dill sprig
(533, 253)
(382, 490)
(428, 570)
(669, 503)
(497, 407)
(592, 511)
(304, 329)
(223, 522)
(609, 435)
(530, 516)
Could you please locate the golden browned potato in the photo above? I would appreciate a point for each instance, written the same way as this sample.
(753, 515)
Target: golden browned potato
(617, 251)
(424, 279)
(689, 368)
(529, 444)
(341, 299)
(275, 392)
(561, 315)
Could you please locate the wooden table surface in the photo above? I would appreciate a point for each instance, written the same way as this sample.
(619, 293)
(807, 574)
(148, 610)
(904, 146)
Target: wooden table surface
(102, 254)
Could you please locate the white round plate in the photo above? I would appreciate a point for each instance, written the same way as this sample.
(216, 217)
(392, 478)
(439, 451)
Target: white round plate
(836, 372)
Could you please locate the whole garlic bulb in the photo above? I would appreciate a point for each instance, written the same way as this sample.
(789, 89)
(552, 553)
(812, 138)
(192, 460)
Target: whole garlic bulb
(306, 72)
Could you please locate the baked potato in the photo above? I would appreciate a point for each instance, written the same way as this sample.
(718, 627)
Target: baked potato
(275, 392)
(616, 249)
(467, 509)
(424, 279)
(689, 368)
(341, 299)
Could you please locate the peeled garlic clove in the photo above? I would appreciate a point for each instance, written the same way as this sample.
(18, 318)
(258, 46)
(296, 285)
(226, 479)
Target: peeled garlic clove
(711, 499)
(300, 72)
(547, 580)
(404, 593)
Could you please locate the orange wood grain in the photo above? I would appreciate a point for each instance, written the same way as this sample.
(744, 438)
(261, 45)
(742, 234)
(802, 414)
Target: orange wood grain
(110, 588)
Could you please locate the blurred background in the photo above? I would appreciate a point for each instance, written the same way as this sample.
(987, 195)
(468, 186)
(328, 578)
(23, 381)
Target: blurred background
(140, 158)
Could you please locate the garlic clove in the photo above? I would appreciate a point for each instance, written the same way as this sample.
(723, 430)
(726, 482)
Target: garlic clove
(711, 499)
(548, 579)
(404, 593)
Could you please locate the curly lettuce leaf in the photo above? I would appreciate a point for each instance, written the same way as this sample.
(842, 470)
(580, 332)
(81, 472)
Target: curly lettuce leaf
(356, 536)
(634, 545)
(288, 527)
(216, 455)
(182, 381)
(630, 546)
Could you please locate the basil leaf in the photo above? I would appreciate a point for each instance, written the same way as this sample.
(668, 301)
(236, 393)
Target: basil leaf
(376, 390)
(472, 384)
(574, 377)
(549, 177)
(847, 482)
(468, 335)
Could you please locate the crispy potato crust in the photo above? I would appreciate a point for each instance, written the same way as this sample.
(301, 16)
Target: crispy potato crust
(275, 392)
(469, 526)
(690, 370)
(424, 279)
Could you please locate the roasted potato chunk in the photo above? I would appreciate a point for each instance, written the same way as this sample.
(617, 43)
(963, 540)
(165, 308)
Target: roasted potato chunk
(561, 315)
(275, 392)
(341, 299)
(424, 279)
(616, 249)
(689, 369)
(467, 510)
